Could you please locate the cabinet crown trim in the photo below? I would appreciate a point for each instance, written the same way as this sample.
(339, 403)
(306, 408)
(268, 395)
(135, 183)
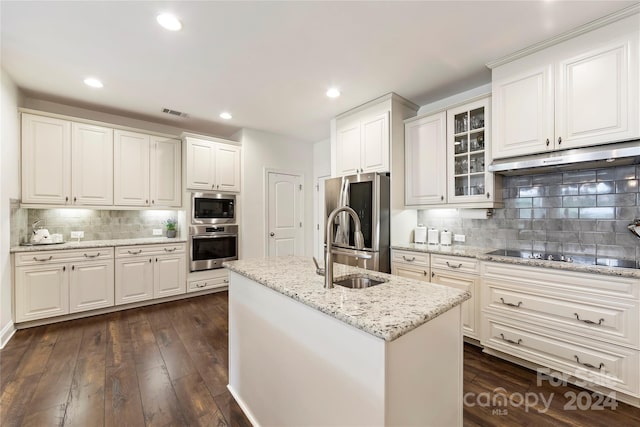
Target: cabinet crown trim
(588, 27)
(188, 135)
(389, 96)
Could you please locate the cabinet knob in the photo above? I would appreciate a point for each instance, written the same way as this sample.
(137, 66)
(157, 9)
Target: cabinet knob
(149, 260)
(66, 199)
(153, 202)
(433, 274)
(146, 201)
(272, 234)
(75, 199)
(64, 268)
(73, 267)
(424, 273)
(547, 142)
(559, 140)
(488, 195)
(441, 197)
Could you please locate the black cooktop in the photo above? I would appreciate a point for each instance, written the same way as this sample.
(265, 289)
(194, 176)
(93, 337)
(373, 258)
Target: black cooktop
(576, 259)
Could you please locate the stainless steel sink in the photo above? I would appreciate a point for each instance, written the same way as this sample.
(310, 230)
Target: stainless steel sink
(358, 282)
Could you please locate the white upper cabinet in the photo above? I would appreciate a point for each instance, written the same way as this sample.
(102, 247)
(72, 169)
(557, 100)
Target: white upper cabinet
(165, 172)
(468, 143)
(362, 143)
(212, 166)
(425, 166)
(131, 168)
(92, 165)
(66, 163)
(580, 92)
(46, 160)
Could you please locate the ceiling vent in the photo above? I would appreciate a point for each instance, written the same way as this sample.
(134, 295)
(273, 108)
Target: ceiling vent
(174, 112)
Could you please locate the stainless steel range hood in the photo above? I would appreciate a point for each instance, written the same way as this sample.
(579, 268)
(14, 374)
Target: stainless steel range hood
(620, 153)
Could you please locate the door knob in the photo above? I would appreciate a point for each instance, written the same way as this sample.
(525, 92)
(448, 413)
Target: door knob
(272, 234)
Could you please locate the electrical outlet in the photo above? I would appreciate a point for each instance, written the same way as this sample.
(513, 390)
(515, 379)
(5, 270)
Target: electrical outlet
(77, 234)
(459, 238)
(157, 231)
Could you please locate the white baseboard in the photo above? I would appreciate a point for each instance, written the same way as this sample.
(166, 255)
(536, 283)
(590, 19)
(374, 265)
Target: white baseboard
(6, 333)
(243, 406)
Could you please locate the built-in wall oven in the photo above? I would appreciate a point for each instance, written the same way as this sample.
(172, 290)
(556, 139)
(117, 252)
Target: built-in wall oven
(213, 208)
(211, 245)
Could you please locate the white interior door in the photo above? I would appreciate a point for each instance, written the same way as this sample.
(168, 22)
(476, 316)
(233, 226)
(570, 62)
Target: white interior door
(284, 212)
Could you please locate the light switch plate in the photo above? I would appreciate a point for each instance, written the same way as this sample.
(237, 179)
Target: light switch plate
(77, 234)
(157, 231)
(459, 238)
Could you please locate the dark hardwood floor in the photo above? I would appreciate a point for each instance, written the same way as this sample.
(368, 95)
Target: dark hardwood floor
(166, 365)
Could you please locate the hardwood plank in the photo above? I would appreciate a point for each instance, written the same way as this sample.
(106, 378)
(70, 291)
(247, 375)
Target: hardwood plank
(35, 358)
(22, 337)
(14, 402)
(86, 398)
(9, 361)
(123, 405)
(55, 383)
(211, 364)
(199, 407)
(119, 342)
(145, 349)
(231, 410)
(159, 401)
(51, 416)
(157, 317)
(94, 341)
(175, 356)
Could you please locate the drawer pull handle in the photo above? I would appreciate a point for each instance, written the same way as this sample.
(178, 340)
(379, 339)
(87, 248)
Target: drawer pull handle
(511, 341)
(170, 250)
(407, 259)
(135, 252)
(589, 322)
(92, 256)
(201, 285)
(511, 304)
(588, 365)
(453, 266)
(43, 259)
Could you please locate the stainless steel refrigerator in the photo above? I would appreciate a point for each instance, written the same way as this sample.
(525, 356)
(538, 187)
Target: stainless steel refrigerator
(368, 195)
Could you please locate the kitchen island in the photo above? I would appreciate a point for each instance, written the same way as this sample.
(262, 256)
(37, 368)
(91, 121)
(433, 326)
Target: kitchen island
(300, 354)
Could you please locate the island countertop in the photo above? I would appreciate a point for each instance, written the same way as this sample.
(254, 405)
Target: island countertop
(387, 311)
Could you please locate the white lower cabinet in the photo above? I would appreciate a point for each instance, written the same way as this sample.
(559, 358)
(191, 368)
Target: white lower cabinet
(457, 272)
(54, 283)
(210, 279)
(149, 271)
(583, 325)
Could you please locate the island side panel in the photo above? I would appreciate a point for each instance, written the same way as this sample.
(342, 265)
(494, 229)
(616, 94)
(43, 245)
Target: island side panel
(290, 364)
(425, 374)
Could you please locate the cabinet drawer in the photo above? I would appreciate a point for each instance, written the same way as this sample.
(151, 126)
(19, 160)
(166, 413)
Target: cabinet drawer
(201, 285)
(146, 250)
(455, 263)
(612, 320)
(410, 271)
(599, 364)
(62, 256)
(410, 257)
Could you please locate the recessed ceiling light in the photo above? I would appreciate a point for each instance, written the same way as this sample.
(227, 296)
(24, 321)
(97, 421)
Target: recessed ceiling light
(169, 22)
(93, 82)
(333, 93)
(225, 115)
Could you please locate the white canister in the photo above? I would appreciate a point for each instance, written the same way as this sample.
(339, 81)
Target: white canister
(420, 234)
(432, 236)
(445, 238)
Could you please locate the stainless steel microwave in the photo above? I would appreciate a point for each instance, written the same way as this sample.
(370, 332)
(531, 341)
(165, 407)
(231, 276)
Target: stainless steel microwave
(213, 208)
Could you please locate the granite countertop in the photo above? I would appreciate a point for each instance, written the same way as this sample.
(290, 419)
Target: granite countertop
(387, 311)
(457, 250)
(481, 254)
(98, 244)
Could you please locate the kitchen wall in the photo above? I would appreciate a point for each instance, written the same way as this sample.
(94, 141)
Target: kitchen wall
(10, 100)
(96, 224)
(262, 151)
(578, 212)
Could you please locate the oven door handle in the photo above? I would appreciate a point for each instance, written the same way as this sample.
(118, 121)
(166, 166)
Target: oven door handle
(217, 236)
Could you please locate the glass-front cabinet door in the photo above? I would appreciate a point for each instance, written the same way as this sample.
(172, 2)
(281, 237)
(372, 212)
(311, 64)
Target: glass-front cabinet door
(468, 138)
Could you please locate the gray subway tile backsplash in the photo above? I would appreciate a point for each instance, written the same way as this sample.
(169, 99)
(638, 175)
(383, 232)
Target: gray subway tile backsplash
(577, 212)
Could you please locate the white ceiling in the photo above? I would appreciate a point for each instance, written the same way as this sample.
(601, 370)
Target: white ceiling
(268, 63)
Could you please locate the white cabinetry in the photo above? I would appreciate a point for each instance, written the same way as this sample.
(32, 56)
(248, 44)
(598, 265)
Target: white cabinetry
(583, 325)
(425, 168)
(165, 186)
(212, 165)
(54, 283)
(145, 272)
(210, 279)
(457, 272)
(460, 273)
(446, 156)
(65, 163)
(362, 143)
(581, 92)
(131, 168)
